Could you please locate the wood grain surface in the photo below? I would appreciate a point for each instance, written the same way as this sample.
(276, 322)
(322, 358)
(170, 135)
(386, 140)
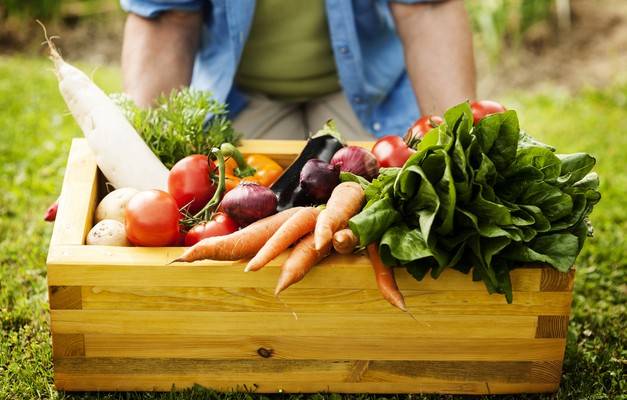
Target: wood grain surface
(225, 347)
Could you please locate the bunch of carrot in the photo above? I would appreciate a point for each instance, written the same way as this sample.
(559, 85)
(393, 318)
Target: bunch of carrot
(312, 233)
(309, 229)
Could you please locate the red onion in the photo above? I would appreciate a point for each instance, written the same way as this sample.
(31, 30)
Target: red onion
(357, 160)
(318, 179)
(249, 202)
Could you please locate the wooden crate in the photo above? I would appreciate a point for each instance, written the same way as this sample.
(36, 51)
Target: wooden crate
(123, 320)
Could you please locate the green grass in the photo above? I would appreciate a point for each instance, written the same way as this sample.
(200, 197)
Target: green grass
(35, 133)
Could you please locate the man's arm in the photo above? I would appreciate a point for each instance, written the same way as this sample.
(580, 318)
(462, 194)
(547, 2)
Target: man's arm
(437, 42)
(158, 54)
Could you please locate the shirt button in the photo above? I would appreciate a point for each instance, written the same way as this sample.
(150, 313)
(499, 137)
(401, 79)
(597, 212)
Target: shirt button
(376, 126)
(344, 50)
(358, 99)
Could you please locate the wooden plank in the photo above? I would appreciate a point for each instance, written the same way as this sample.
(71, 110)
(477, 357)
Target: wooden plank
(65, 297)
(236, 347)
(284, 151)
(318, 370)
(269, 323)
(553, 280)
(121, 382)
(68, 345)
(320, 300)
(552, 326)
(78, 197)
(143, 266)
(495, 371)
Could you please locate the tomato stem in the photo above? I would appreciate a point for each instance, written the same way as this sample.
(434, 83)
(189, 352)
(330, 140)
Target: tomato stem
(243, 169)
(206, 211)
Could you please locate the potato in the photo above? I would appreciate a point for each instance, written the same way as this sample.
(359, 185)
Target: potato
(112, 205)
(108, 232)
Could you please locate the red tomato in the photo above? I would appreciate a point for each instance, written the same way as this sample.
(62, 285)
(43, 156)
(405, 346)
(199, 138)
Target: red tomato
(483, 108)
(152, 219)
(220, 225)
(391, 151)
(422, 125)
(190, 182)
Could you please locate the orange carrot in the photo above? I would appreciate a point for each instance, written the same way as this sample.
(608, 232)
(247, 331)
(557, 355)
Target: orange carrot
(385, 278)
(302, 258)
(244, 243)
(297, 226)
(345, 241)
(346, 200)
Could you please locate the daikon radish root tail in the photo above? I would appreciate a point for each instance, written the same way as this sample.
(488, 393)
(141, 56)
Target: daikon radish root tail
(385, 278)
(297, 226)
(55, 56)
(346, 200)
(345, 241)
(244, 243)
(300, 261)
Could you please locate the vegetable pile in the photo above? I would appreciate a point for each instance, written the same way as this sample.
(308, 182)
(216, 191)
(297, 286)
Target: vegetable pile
(470, 191)
(484, 198)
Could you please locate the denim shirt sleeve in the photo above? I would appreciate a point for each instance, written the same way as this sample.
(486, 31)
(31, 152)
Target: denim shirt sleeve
(152, 8)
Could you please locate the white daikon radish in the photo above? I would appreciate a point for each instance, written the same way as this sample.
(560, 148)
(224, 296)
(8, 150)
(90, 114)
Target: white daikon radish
(122, 155)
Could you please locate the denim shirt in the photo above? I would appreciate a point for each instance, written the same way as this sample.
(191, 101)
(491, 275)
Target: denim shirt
(368, 55)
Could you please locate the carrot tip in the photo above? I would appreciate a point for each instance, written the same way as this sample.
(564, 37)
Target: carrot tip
(176, 260)
(247, 268)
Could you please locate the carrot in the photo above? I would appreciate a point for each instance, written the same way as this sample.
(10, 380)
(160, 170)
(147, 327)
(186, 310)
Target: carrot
(345, 241)
(346, 200)
(302, 258)
(385, 278)
(297, 226)
(244, 243)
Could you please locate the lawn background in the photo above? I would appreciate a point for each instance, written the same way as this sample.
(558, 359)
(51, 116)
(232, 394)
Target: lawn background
(35, 135)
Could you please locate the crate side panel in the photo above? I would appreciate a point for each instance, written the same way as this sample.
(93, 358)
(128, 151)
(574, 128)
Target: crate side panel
(225, 347)
(306, 374)
(131, 266)
(268, 323)
(320, 300)
(120, 382)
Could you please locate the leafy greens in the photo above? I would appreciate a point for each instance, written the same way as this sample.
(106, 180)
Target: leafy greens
(483, 199)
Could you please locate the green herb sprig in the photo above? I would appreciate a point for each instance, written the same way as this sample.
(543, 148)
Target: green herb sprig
(175, 127)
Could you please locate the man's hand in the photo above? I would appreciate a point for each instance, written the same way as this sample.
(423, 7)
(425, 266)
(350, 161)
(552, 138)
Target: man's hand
(437, 41)
(158, 54)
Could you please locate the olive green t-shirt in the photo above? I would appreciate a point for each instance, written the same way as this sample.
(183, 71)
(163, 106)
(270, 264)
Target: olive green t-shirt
(288, 55)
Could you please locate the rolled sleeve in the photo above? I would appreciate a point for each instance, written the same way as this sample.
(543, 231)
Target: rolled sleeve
(152, 8)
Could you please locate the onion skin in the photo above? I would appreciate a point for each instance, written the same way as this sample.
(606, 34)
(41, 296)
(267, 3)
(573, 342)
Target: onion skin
(249, 202)
(318, 179)
(358, 161)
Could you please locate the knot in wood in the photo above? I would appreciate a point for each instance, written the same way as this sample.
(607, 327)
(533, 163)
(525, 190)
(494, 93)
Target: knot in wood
(265, 353)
